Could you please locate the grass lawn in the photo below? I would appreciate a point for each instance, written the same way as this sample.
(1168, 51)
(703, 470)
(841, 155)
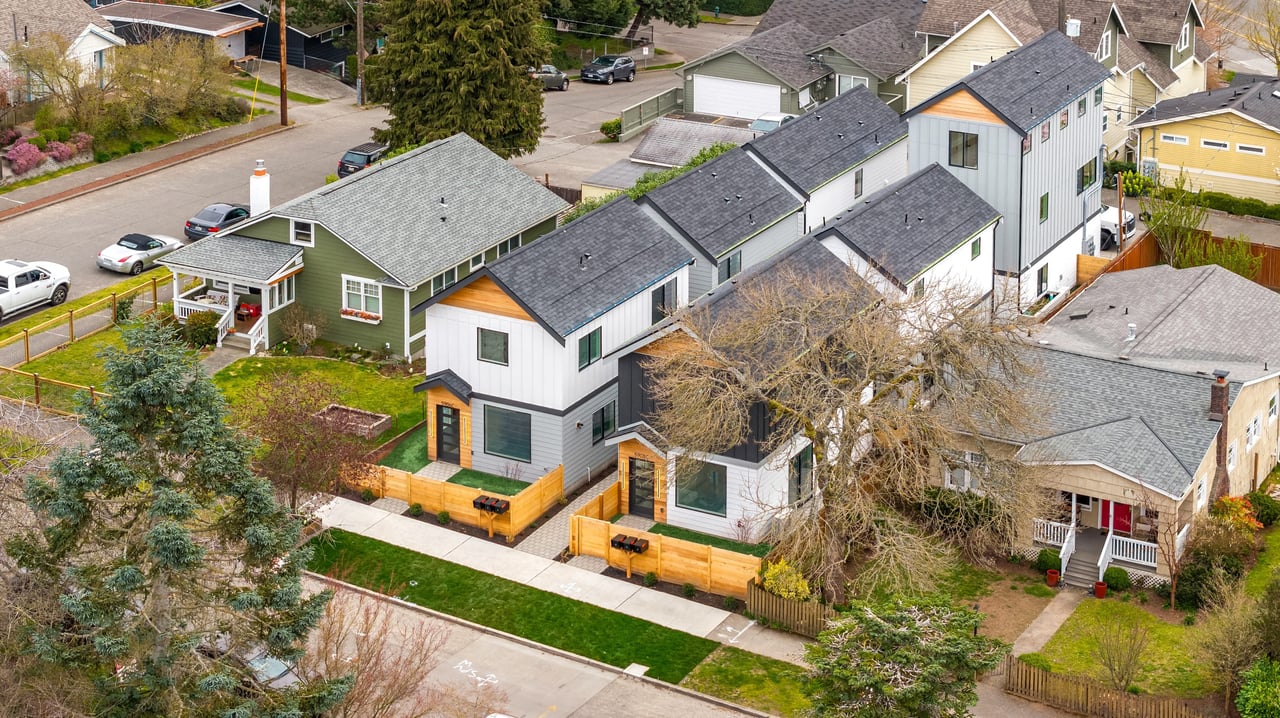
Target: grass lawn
(273, 91)
(1167, 666)
(675, 532)
(766, 684)
(359, 386)
(537, 615)
(1268, 562)
(411, 453)
(491, 483)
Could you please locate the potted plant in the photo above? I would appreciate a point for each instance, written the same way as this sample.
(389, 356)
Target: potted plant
(1100, 589)
(1052, 576)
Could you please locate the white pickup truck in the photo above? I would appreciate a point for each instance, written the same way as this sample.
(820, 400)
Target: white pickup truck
(26, 284)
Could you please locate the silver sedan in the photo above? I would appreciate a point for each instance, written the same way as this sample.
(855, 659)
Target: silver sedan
(136, 252)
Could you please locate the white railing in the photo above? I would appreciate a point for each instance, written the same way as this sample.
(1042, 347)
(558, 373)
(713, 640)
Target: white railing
(257, 335)
(1052, 532)
(1181, 542)
(1068, 548)
(1133, 550)
(1105, 557)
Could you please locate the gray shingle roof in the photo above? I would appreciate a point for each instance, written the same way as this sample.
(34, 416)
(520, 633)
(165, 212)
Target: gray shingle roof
(940, 213)
(822, 144)
(67, 18)
(1032, 83)
(719, 204)
(179, 17)
(1132, 55)
(232, 255)
(620, 175)
(391, 213)
(880, 46)
(554, 278)
(671, 143)
(1197, 320)
(1254, 100)
(824, 19)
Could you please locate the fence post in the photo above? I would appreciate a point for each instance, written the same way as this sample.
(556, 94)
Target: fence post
(35, 378)
(71, 323)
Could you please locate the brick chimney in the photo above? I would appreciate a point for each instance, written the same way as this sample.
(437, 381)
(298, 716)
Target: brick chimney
(1219, 402)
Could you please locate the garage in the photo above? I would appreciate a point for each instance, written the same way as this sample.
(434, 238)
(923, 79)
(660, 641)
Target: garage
(734, 98)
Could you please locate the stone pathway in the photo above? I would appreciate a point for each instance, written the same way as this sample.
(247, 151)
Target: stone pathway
(552, 538)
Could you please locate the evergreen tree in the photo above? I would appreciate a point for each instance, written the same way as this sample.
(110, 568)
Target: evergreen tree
(173, 561)
(460, 66)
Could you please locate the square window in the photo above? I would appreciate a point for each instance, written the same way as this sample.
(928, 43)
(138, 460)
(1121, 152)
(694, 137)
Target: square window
(508, 433)
(705, 489)
(975, 249)
(1044, 207)
(603, 422)
(589, 349)
(729, 267)
(304, 233)
(964, 150)
(491, 346)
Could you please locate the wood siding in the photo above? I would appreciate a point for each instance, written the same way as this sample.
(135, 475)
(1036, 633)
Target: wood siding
(981, 44)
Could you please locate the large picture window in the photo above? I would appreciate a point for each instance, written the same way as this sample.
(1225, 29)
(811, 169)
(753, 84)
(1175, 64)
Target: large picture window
(705, 490)
(361, 298)
(491, 346)
(589, 349)
(508, 433)
(964, 150)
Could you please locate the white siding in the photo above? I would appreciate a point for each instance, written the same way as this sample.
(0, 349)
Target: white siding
(544, 443)
(836, 196)
(451, 344)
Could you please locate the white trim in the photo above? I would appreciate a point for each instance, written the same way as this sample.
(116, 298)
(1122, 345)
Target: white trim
(985, 13)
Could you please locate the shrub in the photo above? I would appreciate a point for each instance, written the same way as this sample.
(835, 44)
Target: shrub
(1259, 695)
(367, 495)
(730, 603)
(651, 579)
(60, 152)
(415, 510)
(1236, 512)
(612, 128)
(689, 590)
(24, 157)
(202, 329)
(785, 580)
(1047, 559)
(1265, 508)
(1116, 578)
(442, 517)
(1036, 660)
(83, 141)
(8, 135)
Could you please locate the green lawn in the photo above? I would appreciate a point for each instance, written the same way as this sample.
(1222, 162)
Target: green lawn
(411, 453)
(675, 532)
(491, 483)
(273, 91)
(1268, 562)
(357, 385)
(1167, 669)
(547, 618)
(766, 684)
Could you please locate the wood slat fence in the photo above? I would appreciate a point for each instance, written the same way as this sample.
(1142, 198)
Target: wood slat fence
(806, 618)
(716, 570)
(1086, 696)
(436, 496)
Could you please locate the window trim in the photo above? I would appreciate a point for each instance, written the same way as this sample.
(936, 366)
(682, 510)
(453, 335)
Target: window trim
(1213, 144)
(594, 343)
(506, 346)
(964, 159)
(295, 225)
(487, 424)
(356, 314)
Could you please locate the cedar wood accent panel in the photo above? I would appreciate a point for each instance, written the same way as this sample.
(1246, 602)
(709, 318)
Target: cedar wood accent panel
(484, 295)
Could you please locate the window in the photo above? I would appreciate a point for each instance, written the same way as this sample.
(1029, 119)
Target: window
(800, 485)
(1082, 107)
(589, 349)
(1026, 144)
(603, 422)
(1184, 37)
(664, 301)
(1252, 432)
(1251, 149)
(508, 433)
(964, 150)
(1170, 139)
(965, 471)
(1086, 176)
(1044, 207)
(361, 299)
(1200, 494)
(857, 183)
(1272, 405)
(729, 266)
(491, 346)
(1215, 145)
(282, 293)
(1104, 46)
(1097, 94)
(704, 490)
(1231, 456)
(444, 280)
(1042, 279)
(975, 249)
(1044, 131)
(304, 233)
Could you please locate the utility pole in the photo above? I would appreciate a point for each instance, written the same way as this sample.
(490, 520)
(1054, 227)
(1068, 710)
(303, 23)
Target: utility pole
(284, 64)
(360, 52)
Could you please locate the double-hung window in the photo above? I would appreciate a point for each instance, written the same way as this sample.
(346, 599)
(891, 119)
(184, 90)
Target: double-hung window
(361, 298)
(589, 349)
(964, 150)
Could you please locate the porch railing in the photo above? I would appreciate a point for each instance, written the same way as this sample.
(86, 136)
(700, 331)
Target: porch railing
(1052, 532)
(1181, 542)
(1104, 558)
(1068, 548)
(257, 335)
(1133, 550)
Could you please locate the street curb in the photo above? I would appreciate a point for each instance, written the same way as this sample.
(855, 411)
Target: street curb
(142, 171)
(537, 646)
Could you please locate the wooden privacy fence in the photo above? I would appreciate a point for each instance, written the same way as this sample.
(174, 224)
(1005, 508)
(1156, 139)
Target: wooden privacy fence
(1087, 696)
(436, 496)
(708, 568)
(806, 618)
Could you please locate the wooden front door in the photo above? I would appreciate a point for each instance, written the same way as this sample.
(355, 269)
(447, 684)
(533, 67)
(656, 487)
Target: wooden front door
(447, 434)
(640, 488)
(1123, 516)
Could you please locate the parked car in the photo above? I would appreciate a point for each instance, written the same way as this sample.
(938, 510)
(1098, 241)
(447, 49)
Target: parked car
(360, 157)
(215, 218)
(551, 77)
(770, 121)
(26, 284)
(608, 68)
(133, 253)
(1111, 223)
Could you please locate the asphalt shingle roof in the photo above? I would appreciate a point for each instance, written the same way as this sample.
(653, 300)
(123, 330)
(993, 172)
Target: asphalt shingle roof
(671, 143)
(908, 226)
(67, 18)
(818, 146)
(720, 203)
(232, 255)
(1254, 100)
(590, 265)
(179, 17)
(392, 213)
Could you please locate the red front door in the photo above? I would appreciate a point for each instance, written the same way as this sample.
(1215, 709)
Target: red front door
(1123, 515)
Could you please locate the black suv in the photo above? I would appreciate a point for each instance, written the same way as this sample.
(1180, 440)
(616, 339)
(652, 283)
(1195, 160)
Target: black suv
(359, 157)
(608, 68)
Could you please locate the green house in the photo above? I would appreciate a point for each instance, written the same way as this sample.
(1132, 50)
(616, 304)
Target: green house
(350, 259)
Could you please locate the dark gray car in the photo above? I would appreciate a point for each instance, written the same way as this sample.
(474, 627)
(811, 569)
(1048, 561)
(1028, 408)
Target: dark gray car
(608, 68)
(215, 218)
(551, 77)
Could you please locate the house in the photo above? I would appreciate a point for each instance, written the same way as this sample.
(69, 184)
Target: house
(804, 52)
(90, 36)
(139, 22)
(668, 143)
(1024, 132)
(359, 253)
(522, 354)
(1151, 48)
(312, 47)
(1224, 140)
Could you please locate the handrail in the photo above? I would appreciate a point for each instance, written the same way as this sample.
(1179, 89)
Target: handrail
(1068, 547)
(1104, 558)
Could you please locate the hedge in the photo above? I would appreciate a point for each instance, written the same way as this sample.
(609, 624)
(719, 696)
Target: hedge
(738, 7)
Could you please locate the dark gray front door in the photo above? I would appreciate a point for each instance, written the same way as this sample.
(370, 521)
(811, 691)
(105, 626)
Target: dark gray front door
(641, 488)
(447, 434)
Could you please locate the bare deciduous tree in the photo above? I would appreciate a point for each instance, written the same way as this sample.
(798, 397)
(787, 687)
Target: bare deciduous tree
(1118, 649)
(880, 388)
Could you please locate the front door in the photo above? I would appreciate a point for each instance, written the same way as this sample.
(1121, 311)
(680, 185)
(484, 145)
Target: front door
(640, 492)
(447, 444)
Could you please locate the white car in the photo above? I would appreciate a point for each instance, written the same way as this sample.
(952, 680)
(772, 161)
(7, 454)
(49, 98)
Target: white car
(1110, 225)
(136, 252)
(26, 284)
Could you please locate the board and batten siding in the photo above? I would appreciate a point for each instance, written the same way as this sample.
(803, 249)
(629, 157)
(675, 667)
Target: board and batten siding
(732, 66)
(544, 443)
(836, 197)
(1244, 174)
(980, 44)
(580, 454)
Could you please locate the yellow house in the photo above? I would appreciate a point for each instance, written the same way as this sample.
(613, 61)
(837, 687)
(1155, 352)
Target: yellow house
(1225, 140)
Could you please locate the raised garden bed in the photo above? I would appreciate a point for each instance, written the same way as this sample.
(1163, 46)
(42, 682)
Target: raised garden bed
(355, 421)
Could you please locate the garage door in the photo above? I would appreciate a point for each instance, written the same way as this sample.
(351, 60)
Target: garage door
(734, 98)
